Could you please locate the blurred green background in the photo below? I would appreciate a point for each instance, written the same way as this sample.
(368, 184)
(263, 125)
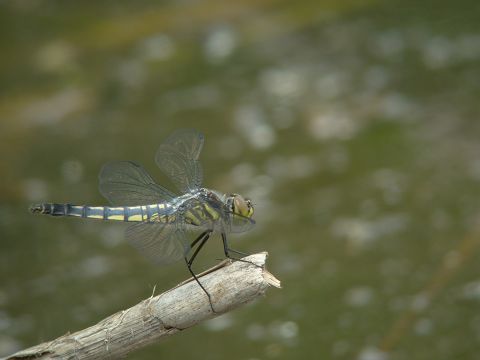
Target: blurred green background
(353, 126)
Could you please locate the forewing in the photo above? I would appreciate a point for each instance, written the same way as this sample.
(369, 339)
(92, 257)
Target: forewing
(126, 183)
(178, 157)
(159, 243)
(239, 223)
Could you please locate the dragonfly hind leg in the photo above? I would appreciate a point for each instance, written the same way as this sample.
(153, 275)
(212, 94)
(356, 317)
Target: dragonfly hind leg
(200, 240)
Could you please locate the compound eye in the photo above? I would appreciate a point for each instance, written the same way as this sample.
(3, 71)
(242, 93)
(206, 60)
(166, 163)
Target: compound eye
(240, 206)
(250, 207)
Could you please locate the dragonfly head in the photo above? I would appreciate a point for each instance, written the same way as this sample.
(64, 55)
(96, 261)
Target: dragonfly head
(239, 205)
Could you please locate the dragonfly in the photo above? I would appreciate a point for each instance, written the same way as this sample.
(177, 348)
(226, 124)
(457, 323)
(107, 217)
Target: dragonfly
(163, 221)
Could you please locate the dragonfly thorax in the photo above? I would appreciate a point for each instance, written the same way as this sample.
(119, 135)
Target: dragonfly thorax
(211, 210)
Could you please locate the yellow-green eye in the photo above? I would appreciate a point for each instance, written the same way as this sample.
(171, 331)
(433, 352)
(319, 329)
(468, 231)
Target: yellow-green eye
(250, 208)
(242, 206)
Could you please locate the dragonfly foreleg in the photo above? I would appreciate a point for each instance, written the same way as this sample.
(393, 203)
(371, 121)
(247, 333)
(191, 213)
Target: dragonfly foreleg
(228, 250)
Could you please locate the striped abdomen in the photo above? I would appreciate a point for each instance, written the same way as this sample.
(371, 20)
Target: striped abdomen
(144, 213)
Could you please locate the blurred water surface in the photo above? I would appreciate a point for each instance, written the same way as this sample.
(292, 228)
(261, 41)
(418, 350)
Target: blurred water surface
(353, 126)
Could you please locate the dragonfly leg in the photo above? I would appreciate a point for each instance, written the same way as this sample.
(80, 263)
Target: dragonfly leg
(227, 251)
(202, 239)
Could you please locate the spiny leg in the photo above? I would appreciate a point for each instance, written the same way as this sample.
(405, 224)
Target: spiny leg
(201, 239)
(194, 242)
(227, 252)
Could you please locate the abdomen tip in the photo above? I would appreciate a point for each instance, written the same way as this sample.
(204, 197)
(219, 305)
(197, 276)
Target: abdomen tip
(35, 208)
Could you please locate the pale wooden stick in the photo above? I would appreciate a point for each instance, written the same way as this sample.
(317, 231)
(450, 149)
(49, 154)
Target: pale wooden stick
(229, 285)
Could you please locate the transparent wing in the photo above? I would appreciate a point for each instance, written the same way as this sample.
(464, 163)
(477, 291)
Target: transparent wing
(178, 157)
(159, 243)
(126, 183)
(239, 223)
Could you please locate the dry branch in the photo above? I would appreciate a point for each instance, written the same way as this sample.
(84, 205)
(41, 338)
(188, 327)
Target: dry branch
(229, 284)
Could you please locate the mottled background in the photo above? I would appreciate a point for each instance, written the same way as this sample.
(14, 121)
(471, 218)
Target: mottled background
(353, 125)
